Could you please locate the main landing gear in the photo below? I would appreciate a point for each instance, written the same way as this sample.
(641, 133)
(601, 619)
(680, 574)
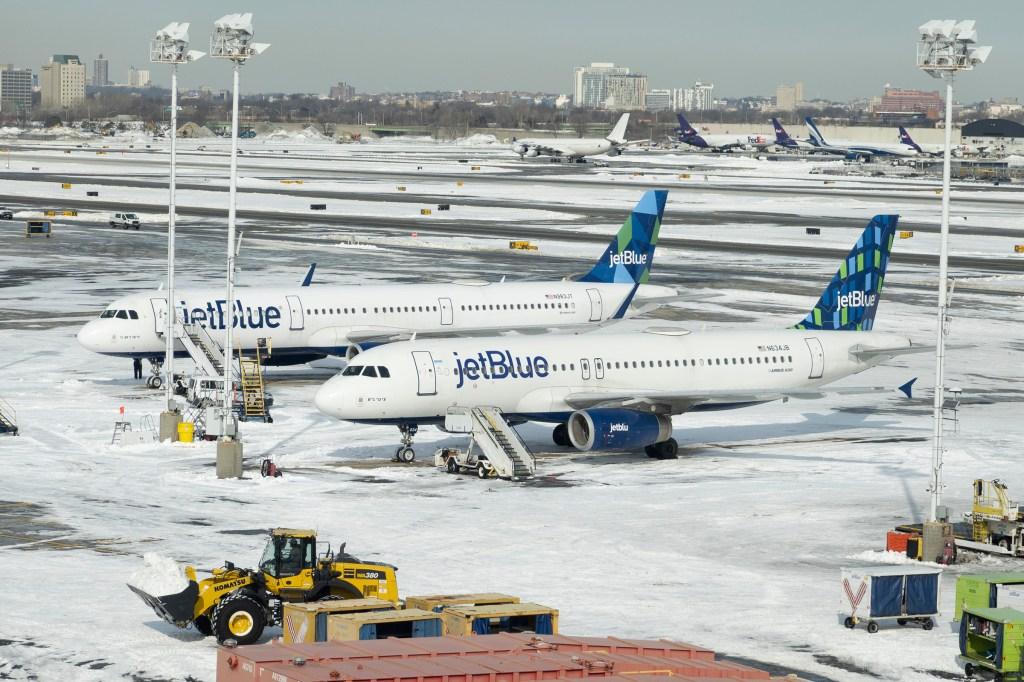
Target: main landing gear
(561, 436)
(155, 378)
(666, 449)
(404, 452)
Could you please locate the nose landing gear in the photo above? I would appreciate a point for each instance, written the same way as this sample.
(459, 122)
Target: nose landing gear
(155, 378)
(404, 453)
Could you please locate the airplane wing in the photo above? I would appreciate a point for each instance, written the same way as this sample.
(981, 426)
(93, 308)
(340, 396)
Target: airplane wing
(553, 150)
(862, 352)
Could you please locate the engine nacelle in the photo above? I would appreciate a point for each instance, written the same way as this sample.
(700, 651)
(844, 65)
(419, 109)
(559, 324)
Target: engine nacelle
(532, 151)
(610, 429)
(519, 148)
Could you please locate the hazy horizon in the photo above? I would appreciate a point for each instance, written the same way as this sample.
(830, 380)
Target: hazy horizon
(839, 52)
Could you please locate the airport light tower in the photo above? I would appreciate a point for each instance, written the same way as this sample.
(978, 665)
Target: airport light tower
(170, 46)
(945, 47)
(232, 39)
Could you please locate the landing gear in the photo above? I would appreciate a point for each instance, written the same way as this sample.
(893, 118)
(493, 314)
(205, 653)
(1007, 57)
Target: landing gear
(155, 378)
(404, 452)
(666, 449)
(561, 436)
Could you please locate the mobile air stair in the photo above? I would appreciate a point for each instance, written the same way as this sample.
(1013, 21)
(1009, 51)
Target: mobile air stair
(254, 397)
(8, 419)
(495, 449)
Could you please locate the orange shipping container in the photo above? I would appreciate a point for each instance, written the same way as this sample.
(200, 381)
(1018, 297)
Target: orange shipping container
(896, 541)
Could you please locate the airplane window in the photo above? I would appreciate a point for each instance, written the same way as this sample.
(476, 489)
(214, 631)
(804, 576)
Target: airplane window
(364, 310)
(634, 364)
(122, 314)
(308, 311)
(791, 358)
(734, 361)
(462, 307)
(383, 372)
(352, 371)
(741, 361)
(107, 313)
(370, 371)
(677, 363)
(702, 363)
(572, 366)
(659, 363)
(718, 361)
(759, 360)
(775, 359)
(132, 314)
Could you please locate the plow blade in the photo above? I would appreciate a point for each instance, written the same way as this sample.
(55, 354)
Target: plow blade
(176, 609)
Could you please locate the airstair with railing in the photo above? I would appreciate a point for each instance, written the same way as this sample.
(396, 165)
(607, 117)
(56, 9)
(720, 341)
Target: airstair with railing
(501, 450)
(8, 418)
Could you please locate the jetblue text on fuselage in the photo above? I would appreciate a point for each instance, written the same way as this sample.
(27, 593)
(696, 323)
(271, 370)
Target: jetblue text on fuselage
(214, 314)
(497, 364)
(856, 299)
(627, 258)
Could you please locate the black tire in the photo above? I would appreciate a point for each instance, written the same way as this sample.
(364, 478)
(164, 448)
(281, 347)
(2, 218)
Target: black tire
(406, 455)
(203, 626)
(927, 623)
(452, 465)
(969, 670)
(112, 224)
(560, 435)
(651, 450)
(238, 617)
(481, 470)
(849, 623)
(872, 627)
(669, 449)
(901, 621)
(157, 382)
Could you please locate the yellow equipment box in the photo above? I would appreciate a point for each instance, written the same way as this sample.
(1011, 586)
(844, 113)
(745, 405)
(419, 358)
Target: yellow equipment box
(65, 185)
(906, 234)
(485, 620)
(1018, 248)
(425, 211)
(522, 245)
(402, 623)
(438, 602)
(305, 622)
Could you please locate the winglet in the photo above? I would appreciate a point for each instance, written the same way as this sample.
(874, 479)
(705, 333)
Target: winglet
(908, 388)
(308, 279)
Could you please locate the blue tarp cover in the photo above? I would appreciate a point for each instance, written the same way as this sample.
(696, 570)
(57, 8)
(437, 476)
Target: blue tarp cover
(427, 628)
(886, 595)
(368, 631)
(482, 626)
(922, 594)
(543, 626)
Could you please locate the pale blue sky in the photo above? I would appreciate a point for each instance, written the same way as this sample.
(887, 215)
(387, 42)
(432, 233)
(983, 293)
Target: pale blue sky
(840, 50)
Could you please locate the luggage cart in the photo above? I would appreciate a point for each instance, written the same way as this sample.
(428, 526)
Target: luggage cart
(905, 594)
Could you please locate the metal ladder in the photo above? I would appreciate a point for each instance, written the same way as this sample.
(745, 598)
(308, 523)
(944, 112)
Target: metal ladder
(8, 419)
(505, 450)
(253, 404)
(120, 428)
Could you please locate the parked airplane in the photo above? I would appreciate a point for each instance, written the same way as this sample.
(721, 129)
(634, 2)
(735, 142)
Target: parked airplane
(856, 150)
(935, 149)
(783, 139)
(305, 323)
(719, 142)
(620, 390)
(574, 149)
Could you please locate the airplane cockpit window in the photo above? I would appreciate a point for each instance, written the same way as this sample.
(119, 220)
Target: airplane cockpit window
(122, 315)
(133, 315)
(370, 371)
(352, 371)
(383, 372)
(110, 312)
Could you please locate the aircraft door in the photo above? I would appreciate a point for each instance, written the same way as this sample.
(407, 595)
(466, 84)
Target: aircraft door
(298, 321)
(817, 358)
(447, 316)
(598, 368)
(585, 368)
(596, 305)
(159, 314)
(426, 379)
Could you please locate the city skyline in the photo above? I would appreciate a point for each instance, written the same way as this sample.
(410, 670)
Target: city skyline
(455, 44)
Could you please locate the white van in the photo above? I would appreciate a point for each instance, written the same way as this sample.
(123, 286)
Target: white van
(125, 220)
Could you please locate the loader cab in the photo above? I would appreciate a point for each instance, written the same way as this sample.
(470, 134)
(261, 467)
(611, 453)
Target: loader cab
(289, 554)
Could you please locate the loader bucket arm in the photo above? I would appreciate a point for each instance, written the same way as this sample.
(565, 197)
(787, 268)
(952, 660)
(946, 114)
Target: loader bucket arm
(176, 609)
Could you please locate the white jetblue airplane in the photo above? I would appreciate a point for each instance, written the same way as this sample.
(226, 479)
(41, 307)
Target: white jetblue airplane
(719, 142)
(620, 390)
(305, 323)
(576, 148)
(857, 150)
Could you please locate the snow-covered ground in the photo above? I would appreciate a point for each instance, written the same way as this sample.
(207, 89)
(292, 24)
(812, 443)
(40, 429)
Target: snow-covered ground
(735, 546)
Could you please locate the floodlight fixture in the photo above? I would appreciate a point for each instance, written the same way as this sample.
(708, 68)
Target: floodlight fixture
(170, 46)
(946, 46)
(232, 38)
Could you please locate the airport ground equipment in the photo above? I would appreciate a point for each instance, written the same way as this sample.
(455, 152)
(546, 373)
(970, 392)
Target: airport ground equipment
(38, 228)
(401, 623)
(522, 245)
(992, 643)
(493, 618)
(8, 418)
(997, 524)
(237, 603)
(902, 593)
(494, 450)
(439, 602)
(307, 621)
(989, 590)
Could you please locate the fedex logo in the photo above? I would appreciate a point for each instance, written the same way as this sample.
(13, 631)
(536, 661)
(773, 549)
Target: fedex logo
(619, 427)
(627, 258)
(857, 299)
(496, 364)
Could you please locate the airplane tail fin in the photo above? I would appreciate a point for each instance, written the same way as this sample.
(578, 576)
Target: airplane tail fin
(851, 299)
(905, 138)
(781, 136)
(630, 254)
(618, 133)
(816, 136)
(685, 129)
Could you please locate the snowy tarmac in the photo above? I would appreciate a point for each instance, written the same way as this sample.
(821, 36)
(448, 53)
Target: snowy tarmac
(735, 546)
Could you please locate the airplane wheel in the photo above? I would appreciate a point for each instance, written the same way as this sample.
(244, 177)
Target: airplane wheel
(156, 382)
(405, 455)
(452, 466)
(560, 435)
(668, 449)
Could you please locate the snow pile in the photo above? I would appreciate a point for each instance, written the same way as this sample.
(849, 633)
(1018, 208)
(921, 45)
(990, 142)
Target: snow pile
(10, 131)
(307, 134)
(886, 557)
(159, 576)
(477, 140)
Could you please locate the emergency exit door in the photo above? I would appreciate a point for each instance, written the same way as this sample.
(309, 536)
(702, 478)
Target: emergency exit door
(425, 377)
(817, 358)
(446, 310)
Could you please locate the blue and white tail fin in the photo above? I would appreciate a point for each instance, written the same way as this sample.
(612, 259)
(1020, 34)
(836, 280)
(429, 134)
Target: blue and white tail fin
(782, 138)
(906, 139)
(629, 256)
(618, 133)
(816, 137)
(851, 299)
(685, 129)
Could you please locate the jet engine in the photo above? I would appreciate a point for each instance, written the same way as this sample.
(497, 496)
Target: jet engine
(532, 151)
(612, 429)
(614, 151)
(519, 148)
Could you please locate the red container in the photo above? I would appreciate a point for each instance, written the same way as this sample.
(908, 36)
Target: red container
(895, 541)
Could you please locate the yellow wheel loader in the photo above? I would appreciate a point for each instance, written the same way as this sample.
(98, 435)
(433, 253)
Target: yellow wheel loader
(237, 603)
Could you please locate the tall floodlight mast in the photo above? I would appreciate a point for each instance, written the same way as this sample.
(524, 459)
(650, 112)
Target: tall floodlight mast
(170, 46)
(945, 46)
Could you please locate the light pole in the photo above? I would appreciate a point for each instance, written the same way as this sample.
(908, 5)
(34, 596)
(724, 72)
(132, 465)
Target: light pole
(944, 47)
(170, 46)
(231, 39)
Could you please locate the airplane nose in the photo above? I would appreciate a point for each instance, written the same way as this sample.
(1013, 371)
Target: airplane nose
(328, 399)
(89, 336)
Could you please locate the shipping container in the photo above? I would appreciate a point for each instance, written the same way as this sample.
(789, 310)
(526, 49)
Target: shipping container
(492, 618)
(307, 621)
(902, 593)
(383, 624)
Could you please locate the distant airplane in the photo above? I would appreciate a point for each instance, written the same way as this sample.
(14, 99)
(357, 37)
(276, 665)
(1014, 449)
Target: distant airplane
(783, 139)
(935, 149)
(302, 323)
(575, 149)
(609, 391)
(857, 150)
(718, 142)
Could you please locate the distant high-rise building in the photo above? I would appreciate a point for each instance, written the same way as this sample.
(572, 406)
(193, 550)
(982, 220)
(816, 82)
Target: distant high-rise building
(898, 100)
(701, 98)
(789, 97)
(15, 89)
(100, 72)
(589, 83)
(625, 92)
(138, 78)
(658, 100)
(343, 92)
(62, 82)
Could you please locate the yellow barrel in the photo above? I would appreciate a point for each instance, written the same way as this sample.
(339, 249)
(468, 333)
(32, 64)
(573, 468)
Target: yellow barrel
(186, 432)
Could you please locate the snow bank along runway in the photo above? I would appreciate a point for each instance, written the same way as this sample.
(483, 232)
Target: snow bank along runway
(735, 546)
